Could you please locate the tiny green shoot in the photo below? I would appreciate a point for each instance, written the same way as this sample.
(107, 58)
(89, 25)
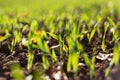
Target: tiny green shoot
(17, 72)
(45, 62)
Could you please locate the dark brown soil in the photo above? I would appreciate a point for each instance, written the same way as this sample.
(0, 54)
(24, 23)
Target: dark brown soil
(20, 52)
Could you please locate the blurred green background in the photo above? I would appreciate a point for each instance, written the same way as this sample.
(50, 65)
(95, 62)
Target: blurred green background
(45, 6)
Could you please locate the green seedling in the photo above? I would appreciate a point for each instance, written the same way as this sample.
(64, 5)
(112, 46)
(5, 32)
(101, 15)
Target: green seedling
(103, 45)
(116, 49)
(75, 32)
(109, 68)
(59, 39)
(106, 25)
(39, 75)
(83, 32)
(17, 35)
(53, 36)
(73, 57)
(73, 60)
(60, 24)
(74, 48)
(116, 52)
(99, 19)
(45, 62)
(42, 44)
(30, 58)
(115, 59)
(50, 24)
(24, 28)
(54, 57)
(103, 39)
(6, 23)
(6, 36)
(85, 17)
(114, 30)
(91, 34)
(17, 72)
(16, 40)
(95, 29)
(90, 64)
(31, 34)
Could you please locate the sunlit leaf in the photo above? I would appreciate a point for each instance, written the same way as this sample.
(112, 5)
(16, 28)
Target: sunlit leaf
(116, 56)
(30, 60)
(54, 56)
(53, 35)
(45, 62)
(103, 45)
